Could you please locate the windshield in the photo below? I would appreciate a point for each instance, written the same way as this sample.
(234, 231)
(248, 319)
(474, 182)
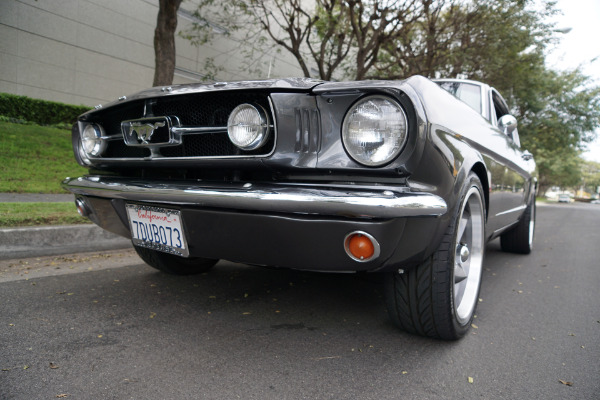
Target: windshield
(467, 92)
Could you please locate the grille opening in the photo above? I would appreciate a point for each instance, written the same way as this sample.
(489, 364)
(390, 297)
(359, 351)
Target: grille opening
(193, 110)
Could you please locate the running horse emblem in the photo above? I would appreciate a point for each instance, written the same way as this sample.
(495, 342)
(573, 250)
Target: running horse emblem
(144, 131)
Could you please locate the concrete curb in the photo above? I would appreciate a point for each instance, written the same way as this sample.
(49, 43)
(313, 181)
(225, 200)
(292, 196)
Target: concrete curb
(54, 240)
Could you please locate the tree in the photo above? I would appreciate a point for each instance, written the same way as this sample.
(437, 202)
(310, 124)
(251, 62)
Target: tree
(340, 38)
(591, 176)
(558, 113)
(164, 42)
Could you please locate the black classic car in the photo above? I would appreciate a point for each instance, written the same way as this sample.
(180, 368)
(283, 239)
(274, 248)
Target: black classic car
(409, 179)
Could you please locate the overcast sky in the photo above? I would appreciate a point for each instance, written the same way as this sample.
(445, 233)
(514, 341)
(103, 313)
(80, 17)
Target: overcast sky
(580, 46)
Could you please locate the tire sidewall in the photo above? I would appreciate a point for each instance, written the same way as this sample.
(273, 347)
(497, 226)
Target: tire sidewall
(472, 181)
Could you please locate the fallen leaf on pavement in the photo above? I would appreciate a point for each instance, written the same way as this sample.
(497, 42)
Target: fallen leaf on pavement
(565, 382)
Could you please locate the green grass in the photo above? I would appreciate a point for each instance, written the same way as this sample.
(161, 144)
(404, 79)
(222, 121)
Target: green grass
(35, 159)
(32, 214)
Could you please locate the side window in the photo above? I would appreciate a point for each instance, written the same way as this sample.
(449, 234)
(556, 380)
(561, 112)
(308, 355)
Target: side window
(509, 124)
(467, 92)
(500, 105)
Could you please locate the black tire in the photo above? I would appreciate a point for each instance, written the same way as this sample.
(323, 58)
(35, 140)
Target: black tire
(520, 238)
(172, 264)
(438, 298)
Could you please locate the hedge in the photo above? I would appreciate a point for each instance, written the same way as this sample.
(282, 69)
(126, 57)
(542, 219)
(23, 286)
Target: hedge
(41, 112)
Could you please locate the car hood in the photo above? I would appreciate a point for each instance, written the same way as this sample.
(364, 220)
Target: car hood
(299, 84)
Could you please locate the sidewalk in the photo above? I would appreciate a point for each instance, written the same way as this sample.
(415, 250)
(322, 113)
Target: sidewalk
(38, 241)
(35, 198)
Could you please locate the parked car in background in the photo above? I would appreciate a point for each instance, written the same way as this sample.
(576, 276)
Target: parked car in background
(564, 198)
(408, 179)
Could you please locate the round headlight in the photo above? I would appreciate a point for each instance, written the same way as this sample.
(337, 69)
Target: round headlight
(248, 127)
(374, 131)
(92, 142)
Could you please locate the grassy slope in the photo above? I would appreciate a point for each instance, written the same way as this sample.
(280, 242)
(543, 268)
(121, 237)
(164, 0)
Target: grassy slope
(35, 159)
(31, 214)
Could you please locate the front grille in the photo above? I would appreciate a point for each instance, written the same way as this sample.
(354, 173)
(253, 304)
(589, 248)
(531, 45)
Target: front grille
(201, 110)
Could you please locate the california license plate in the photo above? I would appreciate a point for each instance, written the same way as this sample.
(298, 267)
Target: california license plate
(158, 229)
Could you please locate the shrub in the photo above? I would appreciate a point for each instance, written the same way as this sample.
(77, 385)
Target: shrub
(41, 112)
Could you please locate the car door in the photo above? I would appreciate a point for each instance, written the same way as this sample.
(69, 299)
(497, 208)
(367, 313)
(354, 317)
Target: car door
(509, 171)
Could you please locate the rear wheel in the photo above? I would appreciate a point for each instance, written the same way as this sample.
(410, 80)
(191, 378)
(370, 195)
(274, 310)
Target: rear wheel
(438, 298)
(520, 238)
(173, 264)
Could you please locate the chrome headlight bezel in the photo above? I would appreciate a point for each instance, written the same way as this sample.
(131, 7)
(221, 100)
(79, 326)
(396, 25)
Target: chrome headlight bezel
(252, 119)
(384, 120)
(92, 140)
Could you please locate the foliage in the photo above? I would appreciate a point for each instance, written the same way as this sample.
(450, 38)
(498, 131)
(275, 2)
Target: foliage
(340, 38)
(590, 174)
(35, 159)
(29, 214)
(362, 39)
(560, 168)
(556, 121)
(23, 108)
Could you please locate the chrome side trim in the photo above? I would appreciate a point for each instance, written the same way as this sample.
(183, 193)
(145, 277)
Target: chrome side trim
(512, 210)
(306, 200)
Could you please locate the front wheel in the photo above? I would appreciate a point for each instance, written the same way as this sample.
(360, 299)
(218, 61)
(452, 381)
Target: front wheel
(173, 264)
(438, 298)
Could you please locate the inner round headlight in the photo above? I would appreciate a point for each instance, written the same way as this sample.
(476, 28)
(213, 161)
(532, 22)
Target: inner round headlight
(374, 131)
(92, 142)
(248, 127)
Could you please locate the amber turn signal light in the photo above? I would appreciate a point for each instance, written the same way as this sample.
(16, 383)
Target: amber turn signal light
(361, 246)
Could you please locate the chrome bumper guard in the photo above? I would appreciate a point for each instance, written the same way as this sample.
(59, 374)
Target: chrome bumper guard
(305, 200)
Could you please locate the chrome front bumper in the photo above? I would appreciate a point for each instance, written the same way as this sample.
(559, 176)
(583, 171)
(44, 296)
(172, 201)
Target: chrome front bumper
(273, 198)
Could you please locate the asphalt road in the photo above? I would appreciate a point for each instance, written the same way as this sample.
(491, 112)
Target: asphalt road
(107, 327)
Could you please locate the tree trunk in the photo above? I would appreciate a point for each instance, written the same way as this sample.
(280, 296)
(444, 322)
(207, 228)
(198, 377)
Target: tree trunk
(164, 42)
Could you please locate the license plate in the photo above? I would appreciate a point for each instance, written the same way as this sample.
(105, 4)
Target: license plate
(157, 228)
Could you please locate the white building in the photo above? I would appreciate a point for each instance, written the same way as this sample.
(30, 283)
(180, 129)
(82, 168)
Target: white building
(94, 51)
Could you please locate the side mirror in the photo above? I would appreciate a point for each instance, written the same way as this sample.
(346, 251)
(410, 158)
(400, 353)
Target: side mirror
(508, 125)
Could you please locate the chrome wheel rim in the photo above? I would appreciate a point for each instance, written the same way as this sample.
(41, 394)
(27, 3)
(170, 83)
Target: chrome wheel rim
(468, 257)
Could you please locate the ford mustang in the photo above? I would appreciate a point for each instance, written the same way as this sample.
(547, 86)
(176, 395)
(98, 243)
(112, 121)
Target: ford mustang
(408, 179)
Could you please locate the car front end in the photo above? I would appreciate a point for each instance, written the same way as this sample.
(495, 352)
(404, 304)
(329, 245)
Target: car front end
(288, 173)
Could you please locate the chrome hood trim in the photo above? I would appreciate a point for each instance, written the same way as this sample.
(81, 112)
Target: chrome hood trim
(290, 84)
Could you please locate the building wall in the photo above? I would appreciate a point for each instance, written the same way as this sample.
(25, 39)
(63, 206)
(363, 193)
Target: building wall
(94, 51)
